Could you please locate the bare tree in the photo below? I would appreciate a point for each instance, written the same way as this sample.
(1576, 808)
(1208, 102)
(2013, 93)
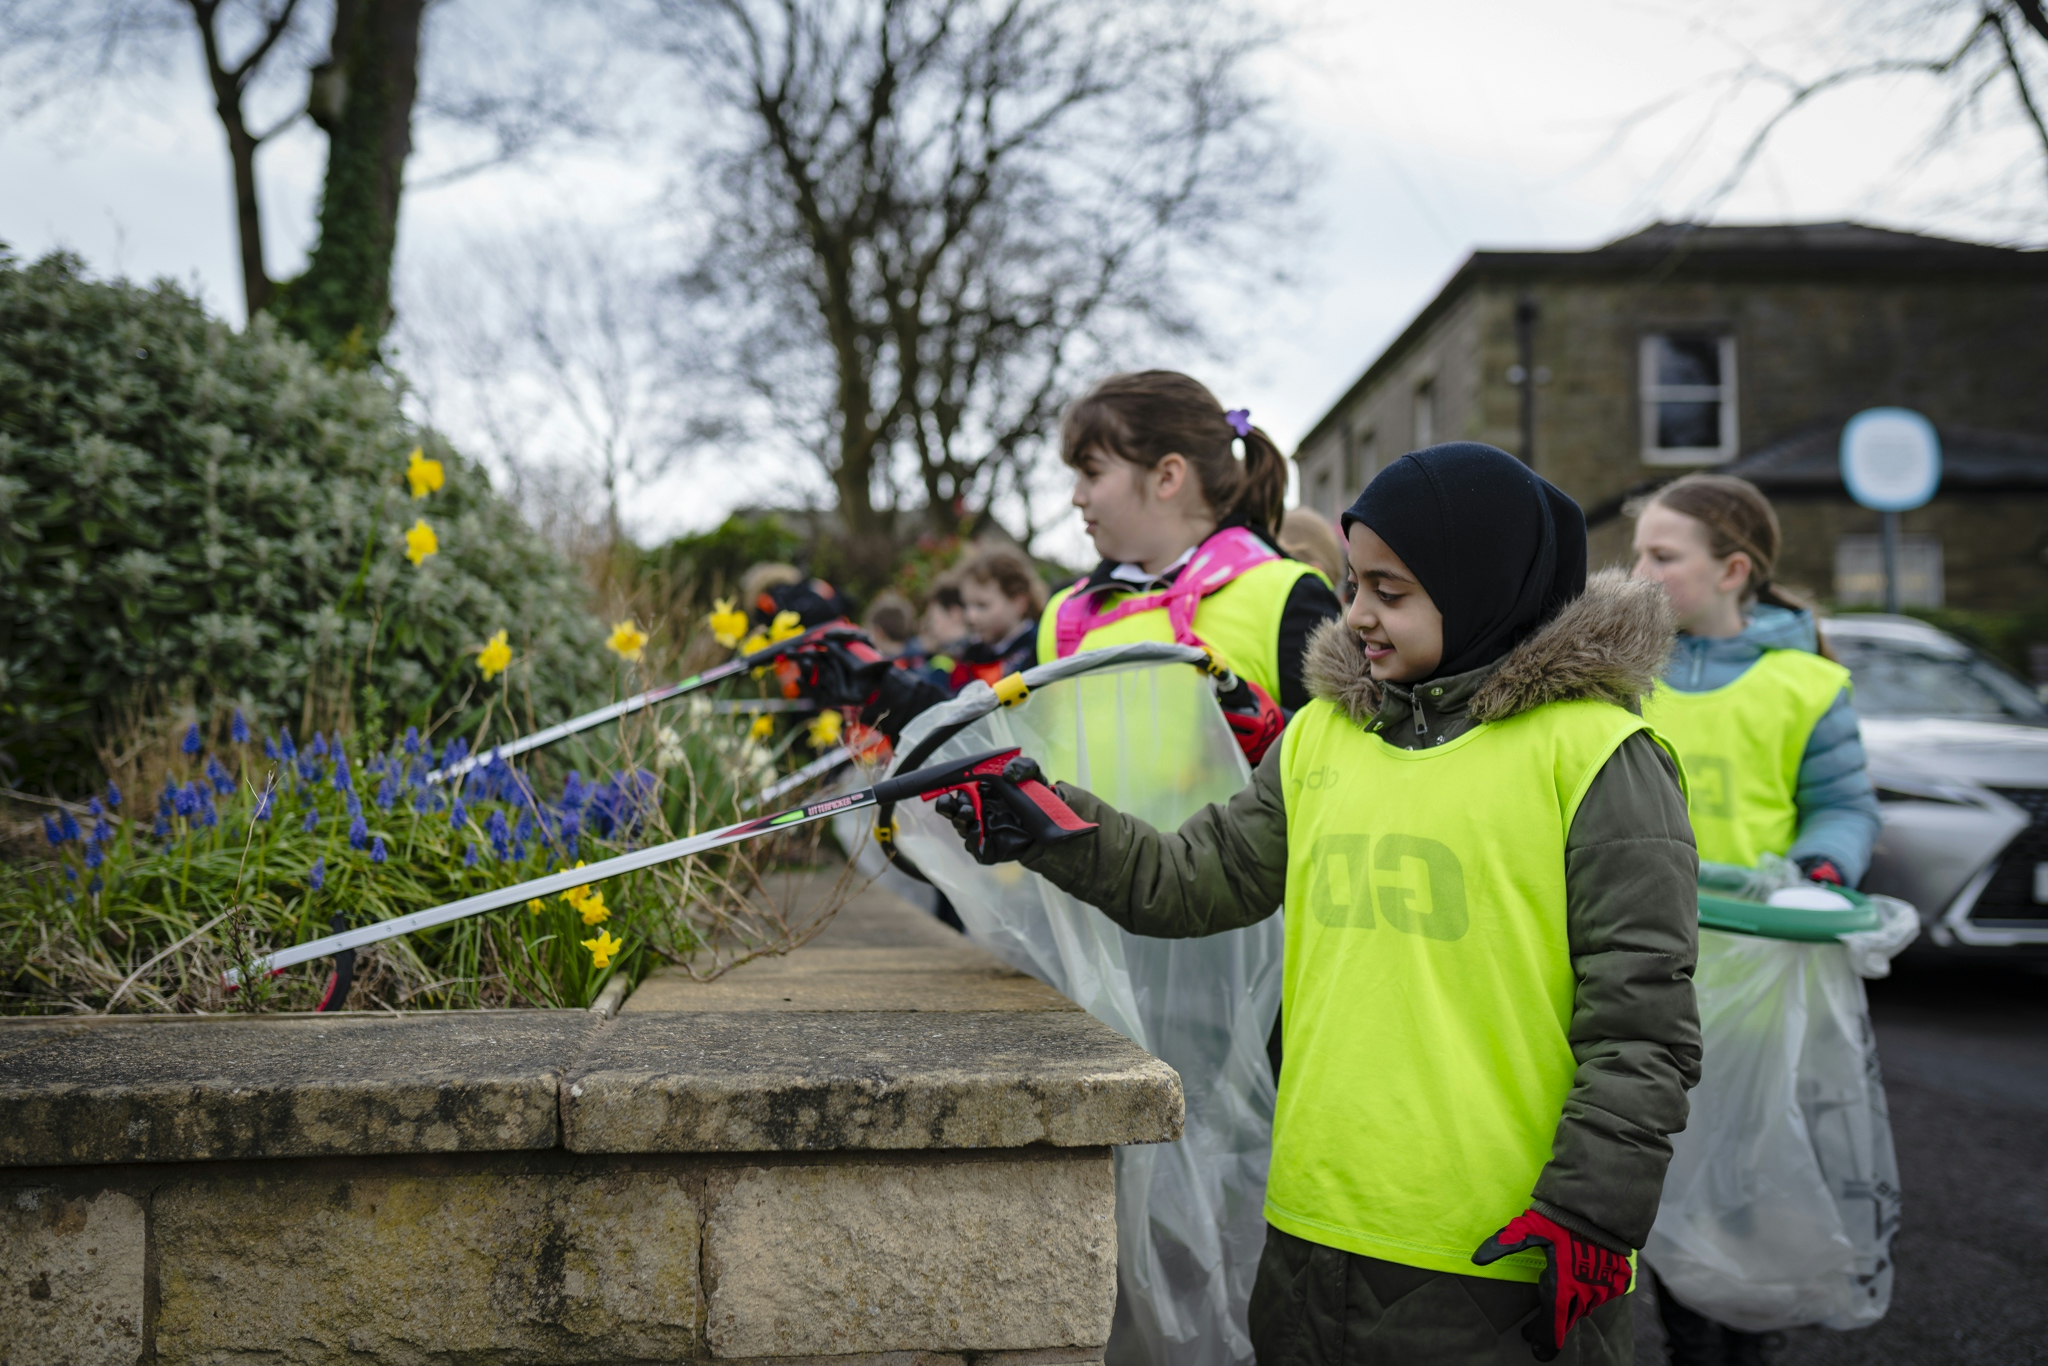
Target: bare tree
(927, 217)
(554, 350)
(353, 66)
(1988, 57)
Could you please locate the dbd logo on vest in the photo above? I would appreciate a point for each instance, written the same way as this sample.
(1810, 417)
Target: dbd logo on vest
(1416, 884)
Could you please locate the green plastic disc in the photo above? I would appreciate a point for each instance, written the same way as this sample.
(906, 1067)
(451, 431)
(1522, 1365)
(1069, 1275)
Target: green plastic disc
(1719, 911)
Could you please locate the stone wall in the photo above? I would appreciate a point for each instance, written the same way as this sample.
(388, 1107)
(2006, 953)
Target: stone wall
(886, 1148)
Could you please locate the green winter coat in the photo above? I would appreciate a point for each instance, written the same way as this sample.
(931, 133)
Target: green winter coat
(1631, 919)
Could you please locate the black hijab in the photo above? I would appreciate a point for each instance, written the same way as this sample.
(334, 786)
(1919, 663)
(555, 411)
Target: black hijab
(1498, 548)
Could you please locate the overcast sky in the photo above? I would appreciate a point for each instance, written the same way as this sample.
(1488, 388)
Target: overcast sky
(1437, 129)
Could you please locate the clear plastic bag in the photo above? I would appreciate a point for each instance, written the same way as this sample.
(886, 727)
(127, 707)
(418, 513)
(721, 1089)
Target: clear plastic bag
(1783, 1192)
(1149, 739)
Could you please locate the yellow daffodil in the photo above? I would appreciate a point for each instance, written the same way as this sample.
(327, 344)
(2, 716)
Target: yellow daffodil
(727, 622)
(626, 640)
(493, 658)
(535, 906)
(784, 626)
(825, 729)
(603, 948)
(421, 542)
(754, 642)
(575, 895)
(763, 727)
(593, 910)
(423, 474)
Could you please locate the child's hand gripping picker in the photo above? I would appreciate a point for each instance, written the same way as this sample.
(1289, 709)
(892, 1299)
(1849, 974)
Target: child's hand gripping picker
(1003, 789)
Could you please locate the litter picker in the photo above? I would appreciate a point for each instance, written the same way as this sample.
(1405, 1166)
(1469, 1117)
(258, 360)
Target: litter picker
(831, 632)
(983, 775)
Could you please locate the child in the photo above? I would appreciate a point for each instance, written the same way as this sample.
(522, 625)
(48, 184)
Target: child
(1491, 921)
(1763, 723)
(769, 589)
(1002, 596)
(1750, 672)
(1306, 536)
(1186, 528)
(890, 625)
(942, 631)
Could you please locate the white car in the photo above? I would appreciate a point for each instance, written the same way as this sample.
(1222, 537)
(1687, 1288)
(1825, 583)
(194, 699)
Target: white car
(1958, 751)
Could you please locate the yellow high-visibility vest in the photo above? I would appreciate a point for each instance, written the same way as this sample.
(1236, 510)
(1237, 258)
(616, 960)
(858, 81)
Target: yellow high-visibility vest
(1240, 621)
(1428, 987)
(1741, 745)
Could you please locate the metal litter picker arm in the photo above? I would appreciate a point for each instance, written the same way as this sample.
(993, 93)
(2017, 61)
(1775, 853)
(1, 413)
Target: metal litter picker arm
(576, 725)
(972, 772)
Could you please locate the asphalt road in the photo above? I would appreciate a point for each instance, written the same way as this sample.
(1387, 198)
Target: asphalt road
(1965, 1057)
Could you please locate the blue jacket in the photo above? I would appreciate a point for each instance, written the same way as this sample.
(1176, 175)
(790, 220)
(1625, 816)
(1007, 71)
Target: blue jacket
(1837, 807)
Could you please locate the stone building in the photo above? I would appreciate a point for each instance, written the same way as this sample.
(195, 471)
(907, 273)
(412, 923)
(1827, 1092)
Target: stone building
(1742, 349)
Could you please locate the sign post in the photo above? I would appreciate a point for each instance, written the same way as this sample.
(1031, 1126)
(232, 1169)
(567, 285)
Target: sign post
(1891, 463)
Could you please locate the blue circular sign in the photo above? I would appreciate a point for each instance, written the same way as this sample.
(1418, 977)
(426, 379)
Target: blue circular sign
(1891, 459)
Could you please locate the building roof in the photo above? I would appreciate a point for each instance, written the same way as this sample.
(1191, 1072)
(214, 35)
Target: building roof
(1810, 463)
(1695, 251)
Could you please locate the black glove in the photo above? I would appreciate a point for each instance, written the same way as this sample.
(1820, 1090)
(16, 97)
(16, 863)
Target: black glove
(1255, 719)
(992, 831)
(899, 695)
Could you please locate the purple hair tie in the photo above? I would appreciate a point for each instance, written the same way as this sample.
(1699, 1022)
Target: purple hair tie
(1240, 420)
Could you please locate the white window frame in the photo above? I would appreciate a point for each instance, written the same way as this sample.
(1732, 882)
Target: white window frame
(1652, 393)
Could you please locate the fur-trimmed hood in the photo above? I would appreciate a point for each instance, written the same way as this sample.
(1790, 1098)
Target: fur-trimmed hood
(1610, 642)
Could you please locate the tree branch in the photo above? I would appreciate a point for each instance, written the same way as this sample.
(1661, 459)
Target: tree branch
(2019, 76)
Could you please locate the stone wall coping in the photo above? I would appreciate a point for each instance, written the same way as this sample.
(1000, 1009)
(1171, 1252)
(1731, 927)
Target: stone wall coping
(116, 1090)
(705, 1071)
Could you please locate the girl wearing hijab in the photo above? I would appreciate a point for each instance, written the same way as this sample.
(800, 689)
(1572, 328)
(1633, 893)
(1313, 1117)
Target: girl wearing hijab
(1491, 922)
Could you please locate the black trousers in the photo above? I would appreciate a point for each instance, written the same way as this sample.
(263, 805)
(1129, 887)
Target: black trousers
(1320, 1306)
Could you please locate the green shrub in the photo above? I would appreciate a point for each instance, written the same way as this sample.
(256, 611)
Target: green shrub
(188, 512)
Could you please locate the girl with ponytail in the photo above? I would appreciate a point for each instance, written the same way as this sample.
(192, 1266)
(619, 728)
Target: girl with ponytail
(1183, 502)
(1761, 718)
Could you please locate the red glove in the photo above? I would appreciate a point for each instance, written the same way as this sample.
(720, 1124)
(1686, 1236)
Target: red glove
(1254, 719)
(1578, 1276)
(1821, 868)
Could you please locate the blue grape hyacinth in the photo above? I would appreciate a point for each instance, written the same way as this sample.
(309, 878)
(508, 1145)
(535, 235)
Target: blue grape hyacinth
(191, 744)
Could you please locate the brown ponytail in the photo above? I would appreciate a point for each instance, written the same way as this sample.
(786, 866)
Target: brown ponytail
(1147, 415)
(1738, 518)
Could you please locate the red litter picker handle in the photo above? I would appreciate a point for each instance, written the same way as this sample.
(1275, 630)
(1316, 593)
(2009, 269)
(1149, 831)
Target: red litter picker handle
(1046, 818)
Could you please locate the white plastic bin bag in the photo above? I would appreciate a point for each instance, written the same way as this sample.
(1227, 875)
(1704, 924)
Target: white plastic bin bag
(1783, 1192)
(1139, 727)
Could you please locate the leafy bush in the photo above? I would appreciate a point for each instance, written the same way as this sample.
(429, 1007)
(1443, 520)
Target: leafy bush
(191, 512)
